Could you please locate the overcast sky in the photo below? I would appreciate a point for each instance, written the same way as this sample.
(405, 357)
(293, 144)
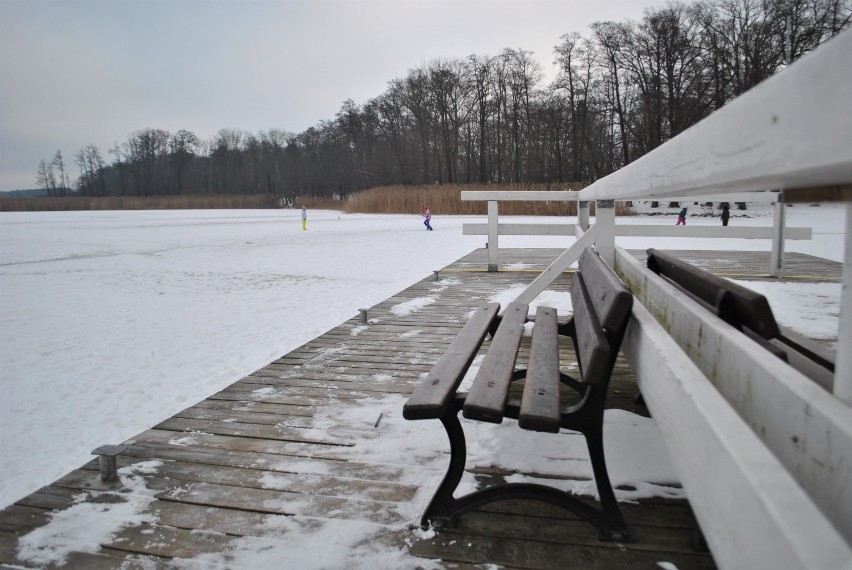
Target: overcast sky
(79, 72)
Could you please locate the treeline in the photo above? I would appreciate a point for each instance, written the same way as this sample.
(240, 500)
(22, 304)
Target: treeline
(620, 92)
(185, 202)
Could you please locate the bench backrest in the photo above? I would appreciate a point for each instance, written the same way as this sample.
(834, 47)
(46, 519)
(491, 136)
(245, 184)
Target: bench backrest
(602, 305)
(611, 299)
(738, 306)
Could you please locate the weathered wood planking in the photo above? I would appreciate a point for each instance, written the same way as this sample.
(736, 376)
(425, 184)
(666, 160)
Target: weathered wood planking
(251, 452)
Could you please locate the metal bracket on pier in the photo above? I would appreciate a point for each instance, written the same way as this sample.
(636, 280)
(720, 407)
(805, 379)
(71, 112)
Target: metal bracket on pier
(106, 459)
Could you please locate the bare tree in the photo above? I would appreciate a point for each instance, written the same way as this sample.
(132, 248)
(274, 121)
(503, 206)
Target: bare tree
(45, 178)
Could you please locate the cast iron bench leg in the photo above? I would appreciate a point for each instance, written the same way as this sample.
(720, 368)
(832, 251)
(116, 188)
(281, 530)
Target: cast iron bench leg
(442, 507)
(613, 524)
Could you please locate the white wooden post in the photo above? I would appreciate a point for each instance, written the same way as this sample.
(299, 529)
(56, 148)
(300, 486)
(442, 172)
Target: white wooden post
(605, 224)
(843, 369)
(776, 266)
(583, 214)
(492, 235)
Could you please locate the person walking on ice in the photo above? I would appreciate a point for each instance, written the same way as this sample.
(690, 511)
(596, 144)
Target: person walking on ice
(726, 214)
(428, 215)
(304, 218)
(681, 218)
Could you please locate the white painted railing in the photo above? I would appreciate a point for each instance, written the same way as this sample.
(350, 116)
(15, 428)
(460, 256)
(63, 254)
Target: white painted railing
(764, 453)
(493, 228)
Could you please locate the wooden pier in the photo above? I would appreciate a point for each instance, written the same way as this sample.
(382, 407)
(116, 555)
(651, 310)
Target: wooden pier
(291, 457)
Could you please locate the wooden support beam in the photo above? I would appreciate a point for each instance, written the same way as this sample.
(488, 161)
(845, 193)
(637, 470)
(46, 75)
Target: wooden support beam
(760, 197)
(583, 214)
(779, 234)
(560, 264)
(605, 224)
(519, 195)
(493, 236)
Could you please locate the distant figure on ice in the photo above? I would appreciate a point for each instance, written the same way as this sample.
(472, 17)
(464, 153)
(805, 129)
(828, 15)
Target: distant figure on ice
(681, 218)
(726, 214)
(428, 215)
(304, 218)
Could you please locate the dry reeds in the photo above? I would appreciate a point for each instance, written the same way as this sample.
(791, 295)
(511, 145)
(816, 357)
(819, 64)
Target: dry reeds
(446, 199)
(318, 203)
(441, 199)
(253, 201)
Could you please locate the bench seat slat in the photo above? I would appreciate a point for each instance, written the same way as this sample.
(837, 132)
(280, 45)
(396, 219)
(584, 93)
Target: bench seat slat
(431, 398)
(487, 397)
(592, 346)
(540, 402)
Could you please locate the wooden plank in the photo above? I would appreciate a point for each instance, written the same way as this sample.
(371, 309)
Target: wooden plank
(457, 547)
(487, 397)
(431, 398)
(808, 429)
(540, 401)
(265, 414)
(181, 470)
(646, 513)
(105, 559)
(268, 462)
(744, 503)
(168, 542)
(19, 519)
(277, 502)
(222, 442)
(507, 524)
(245, 431)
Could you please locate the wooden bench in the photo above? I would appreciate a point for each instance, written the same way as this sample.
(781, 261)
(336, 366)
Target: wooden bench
(602, 306)
(748, 312)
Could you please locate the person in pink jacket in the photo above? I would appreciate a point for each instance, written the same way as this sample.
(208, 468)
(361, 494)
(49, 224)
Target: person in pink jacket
(428, 215)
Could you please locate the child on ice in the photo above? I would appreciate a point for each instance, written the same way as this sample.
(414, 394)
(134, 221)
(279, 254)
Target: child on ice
(304, 218)
(428, 215)
(681, 218)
